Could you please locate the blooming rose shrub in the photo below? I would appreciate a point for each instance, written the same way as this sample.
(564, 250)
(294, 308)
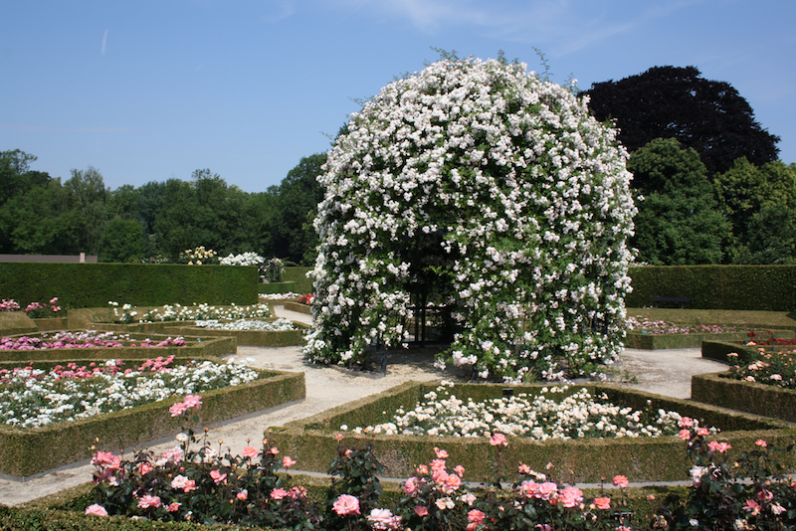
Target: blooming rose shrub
(494, 194)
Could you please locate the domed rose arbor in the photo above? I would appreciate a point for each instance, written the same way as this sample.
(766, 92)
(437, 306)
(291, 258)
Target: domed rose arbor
(478, 188)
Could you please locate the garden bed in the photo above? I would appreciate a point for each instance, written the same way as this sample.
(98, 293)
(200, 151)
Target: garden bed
(751, 397)
(254, 338)
(640, 340)
(718, 350)
(32, 451)
(216, 346)
(312, 441)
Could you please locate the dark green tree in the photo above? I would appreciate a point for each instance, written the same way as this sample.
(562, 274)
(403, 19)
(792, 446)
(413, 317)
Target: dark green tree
(122, 241)
(678, 222)
(298, 198)
(743, 192)
(90, 198)
(672, 102)
(770, 237)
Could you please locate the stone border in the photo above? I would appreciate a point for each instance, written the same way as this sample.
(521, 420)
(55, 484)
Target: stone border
(312, 441)
(252, 338)
(298, 307)
(28, 452)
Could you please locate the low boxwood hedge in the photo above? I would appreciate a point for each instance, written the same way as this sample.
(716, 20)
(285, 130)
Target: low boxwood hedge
(640, 340)
(312, 441)
(276, 287)
(298, 307)
(253, 338)
(720, 390)
(27, 452)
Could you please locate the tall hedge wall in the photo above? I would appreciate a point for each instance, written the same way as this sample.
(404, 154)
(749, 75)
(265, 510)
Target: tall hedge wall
(299, 276)
(93, 285)
(717, 287)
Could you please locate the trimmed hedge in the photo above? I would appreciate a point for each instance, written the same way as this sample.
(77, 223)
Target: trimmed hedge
(13, 323)
(252, 338)
(728, 287)
(93, 285)
(752, 397)
(276, 287)
(312, 441)
(666, 341)
(718, 350)
(216, 347)
(299, 276)
(27, 452)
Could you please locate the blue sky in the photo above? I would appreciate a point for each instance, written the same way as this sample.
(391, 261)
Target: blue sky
(149, 90)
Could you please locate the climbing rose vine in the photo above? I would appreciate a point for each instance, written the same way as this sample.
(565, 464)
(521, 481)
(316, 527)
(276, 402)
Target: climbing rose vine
(498, 196)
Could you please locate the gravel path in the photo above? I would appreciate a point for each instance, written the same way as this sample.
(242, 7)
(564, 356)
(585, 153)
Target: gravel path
(664, 372)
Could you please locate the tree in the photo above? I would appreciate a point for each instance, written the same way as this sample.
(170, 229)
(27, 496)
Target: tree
(744, 191)
(672, 102)
(298, 196)
(90, 198)
(122, 241)
(770, 237)
(678, 221)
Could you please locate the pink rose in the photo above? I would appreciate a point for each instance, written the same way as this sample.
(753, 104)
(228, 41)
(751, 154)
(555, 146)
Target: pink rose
(218, 477)
(437, 464)
(278, 494)
(685, 434)
(570, 497)
(686, 422)
(452, 482)
(148, 501)
(177, 409)
(621, 482)
(96, 510)
(411, 486)
(459, 470)
(345, 505)
(242, 495)
(421, 510)
(441, 454)
(145, 468)
(476, 516)
(297, 492)
(287, 462)
(602, 503)
(498, 439)
(251, 452)
(192, 402)
(383, 519)
(715, 446)
(106, 460)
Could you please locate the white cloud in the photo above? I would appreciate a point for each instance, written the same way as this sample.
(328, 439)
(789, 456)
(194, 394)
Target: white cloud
(104, 42)
(280, 9)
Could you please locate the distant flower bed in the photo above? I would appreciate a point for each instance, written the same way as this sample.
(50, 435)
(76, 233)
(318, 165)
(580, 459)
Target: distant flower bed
(245, 259)
(200, 312)
(577, 416)
(248, 324)
(84, 339)
(756, 340)
(31, 397)
(770, 368)
(280, 296)
(646, 326)
(9, 305)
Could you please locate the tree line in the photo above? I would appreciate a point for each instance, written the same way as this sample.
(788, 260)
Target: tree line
(708, 184)
(157, 221)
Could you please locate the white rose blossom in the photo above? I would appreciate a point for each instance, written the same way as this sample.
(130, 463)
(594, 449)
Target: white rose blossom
(501, 191)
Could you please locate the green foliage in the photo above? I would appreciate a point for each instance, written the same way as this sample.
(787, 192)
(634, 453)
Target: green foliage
(678, 221)
(770, 288)
(122, 241)
(93, 285)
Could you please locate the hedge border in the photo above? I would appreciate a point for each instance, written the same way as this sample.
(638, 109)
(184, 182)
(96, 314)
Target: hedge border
(217, 347)
(27, 452)
(643, 341)
(298, 275)
(719, 389)
(312, 441)
(90, 285)
(251, 338)
(276, 287)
